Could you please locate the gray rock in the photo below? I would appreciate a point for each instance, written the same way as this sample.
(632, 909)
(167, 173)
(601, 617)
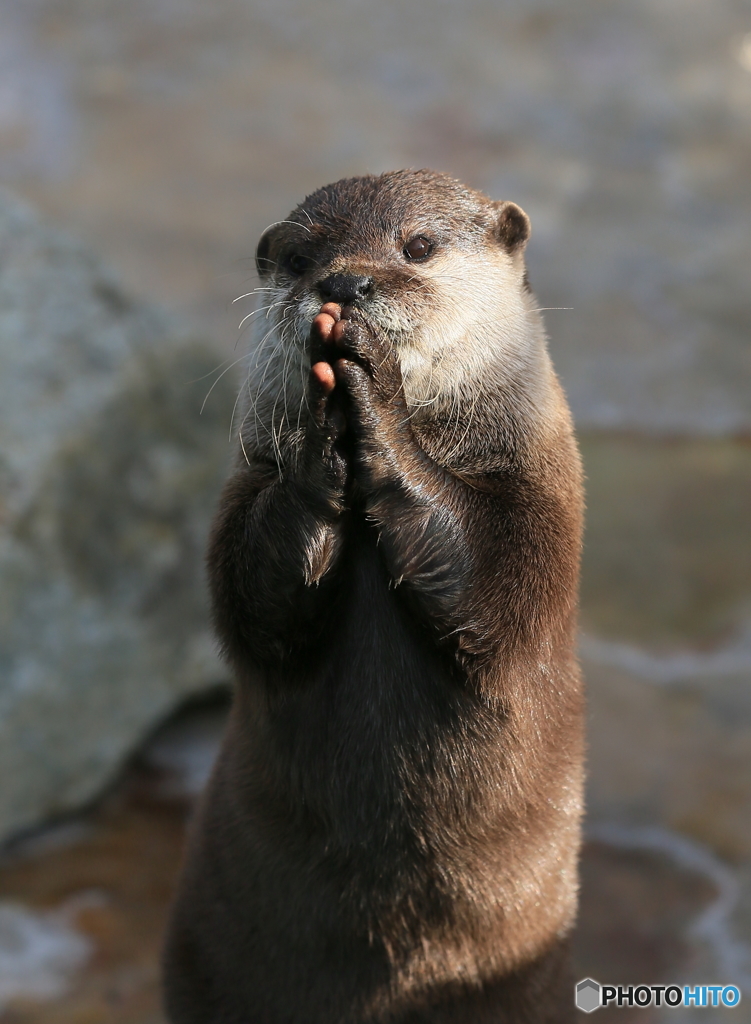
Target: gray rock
(107, 480)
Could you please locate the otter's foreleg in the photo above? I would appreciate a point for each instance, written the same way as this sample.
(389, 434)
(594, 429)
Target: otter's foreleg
(274, 540)
(417, 506)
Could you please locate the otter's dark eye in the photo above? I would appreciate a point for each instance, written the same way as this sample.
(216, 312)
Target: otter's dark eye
(417, 248)
(297, 264)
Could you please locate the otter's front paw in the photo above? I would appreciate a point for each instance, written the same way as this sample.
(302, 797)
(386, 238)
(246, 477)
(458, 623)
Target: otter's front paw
(369, 386)
(324, 456)
(354, 339)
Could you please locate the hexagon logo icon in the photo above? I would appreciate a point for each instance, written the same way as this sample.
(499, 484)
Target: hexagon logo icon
(587, 996)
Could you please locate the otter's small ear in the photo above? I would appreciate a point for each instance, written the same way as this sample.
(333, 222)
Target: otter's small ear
(512, 227)
(264, 265)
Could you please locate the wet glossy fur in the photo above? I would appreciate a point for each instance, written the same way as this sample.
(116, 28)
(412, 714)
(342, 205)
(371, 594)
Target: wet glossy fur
(391, 833)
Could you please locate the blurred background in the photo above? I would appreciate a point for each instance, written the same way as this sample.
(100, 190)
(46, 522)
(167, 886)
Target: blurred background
(143, 148)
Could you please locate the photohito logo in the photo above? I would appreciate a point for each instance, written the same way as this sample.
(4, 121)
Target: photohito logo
(591, 995)
(588, 995)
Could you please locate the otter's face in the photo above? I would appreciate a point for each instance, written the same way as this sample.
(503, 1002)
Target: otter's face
(434, 266)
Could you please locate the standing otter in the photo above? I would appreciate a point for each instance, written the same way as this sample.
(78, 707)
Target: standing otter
(391, 831)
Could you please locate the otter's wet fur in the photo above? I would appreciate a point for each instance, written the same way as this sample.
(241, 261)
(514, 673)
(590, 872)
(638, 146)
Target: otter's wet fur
(391, 832)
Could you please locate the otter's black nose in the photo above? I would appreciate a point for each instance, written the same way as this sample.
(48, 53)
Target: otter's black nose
(346, 289)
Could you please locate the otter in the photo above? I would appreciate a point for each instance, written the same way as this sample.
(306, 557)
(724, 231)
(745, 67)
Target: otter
(391, 831)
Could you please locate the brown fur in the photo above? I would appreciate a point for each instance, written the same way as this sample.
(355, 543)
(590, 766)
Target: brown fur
(391, 832)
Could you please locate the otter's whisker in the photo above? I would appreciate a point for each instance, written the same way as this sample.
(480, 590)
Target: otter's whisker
(234, 410)
(294, 223)
(261, 309)
(285, 373)
(197, 380)
(278, 331)
(254, 291)
(236, 361)
(256, 354)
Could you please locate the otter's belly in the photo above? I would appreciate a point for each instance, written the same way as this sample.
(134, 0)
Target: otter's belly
(310, 844)
(335, 873)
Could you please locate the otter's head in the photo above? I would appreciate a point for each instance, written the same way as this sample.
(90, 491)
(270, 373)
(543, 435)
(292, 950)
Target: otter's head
(435, 266)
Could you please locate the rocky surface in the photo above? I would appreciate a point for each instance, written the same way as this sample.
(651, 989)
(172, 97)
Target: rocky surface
(108, 479)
